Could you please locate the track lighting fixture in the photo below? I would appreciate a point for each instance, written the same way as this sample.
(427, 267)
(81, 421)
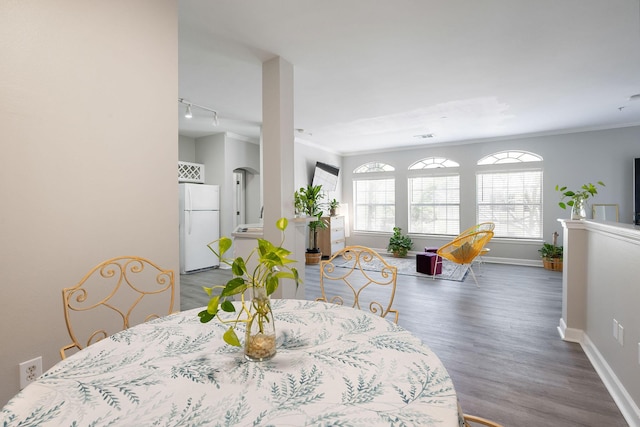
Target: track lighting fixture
(189, 114)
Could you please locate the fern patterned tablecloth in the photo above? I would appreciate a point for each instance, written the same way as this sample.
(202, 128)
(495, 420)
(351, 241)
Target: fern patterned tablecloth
(335, 366)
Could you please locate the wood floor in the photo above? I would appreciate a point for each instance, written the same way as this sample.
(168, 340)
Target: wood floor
(499, 343)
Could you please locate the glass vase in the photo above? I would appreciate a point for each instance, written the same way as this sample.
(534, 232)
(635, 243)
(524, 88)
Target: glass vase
(260, 338)
(578, 210)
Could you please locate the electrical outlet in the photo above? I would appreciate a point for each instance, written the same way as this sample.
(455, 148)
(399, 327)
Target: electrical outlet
(620, 334)
(30, 371)
(615, 329)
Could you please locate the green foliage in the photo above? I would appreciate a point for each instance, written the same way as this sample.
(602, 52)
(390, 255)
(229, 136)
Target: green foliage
(272, 265)
(586, 191)
(399, 244)
(334, 204)
(550, 251)
(309, 198)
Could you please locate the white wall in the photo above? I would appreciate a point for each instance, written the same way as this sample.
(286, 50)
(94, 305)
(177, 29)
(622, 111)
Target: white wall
(222, 154)
(81, 178)
(187, 149)
(306, 155)
(570, 159)
(600, 284)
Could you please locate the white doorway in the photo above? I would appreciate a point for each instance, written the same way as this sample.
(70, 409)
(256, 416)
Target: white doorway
(239, 196)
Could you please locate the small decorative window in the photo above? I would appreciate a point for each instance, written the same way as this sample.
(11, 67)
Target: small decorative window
(434, 162)
(374, 167)
(509, 157)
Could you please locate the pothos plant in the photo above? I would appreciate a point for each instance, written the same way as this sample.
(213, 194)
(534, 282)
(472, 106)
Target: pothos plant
(272, 265)
(578, 196)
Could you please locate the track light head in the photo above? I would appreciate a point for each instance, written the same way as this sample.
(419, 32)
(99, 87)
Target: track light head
(215, 118)
(188, 114)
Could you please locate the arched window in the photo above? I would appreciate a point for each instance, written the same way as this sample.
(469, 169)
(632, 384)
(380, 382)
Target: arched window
(374, 167)
(509, 193)
(433, 162)
(374, 197)
(509, 157)
(434, 196)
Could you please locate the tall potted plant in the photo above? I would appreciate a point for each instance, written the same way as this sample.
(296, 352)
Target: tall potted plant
(310, 197)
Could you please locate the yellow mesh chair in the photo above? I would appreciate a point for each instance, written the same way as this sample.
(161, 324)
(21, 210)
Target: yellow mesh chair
(114, 295)
(471, 420)
(358, 275)
(463, 250)
(483, 226)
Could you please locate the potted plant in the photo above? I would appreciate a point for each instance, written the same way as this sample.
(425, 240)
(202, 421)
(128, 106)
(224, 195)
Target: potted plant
(263, 279)
(577, 199)
(399, 244)
(551, 256)
(333, 205)
(310, 197)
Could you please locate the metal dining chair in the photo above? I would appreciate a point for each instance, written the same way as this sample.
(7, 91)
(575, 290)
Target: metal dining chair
(471, 420)
(359, 276)
(114, 295)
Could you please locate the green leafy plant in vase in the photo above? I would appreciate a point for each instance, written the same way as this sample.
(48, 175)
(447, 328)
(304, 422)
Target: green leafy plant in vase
(333, 206)
(399, 244)
(577, 199)
(272, 264)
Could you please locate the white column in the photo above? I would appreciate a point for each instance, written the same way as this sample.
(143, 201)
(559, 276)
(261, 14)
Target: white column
(277, 162)
(574, 281)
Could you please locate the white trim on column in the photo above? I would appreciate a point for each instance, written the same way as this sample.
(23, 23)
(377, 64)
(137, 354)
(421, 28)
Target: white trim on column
(570, 334)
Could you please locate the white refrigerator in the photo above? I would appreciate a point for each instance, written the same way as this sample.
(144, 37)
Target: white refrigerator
(199, 226)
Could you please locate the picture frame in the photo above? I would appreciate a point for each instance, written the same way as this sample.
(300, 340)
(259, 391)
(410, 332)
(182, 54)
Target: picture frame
(605, 212)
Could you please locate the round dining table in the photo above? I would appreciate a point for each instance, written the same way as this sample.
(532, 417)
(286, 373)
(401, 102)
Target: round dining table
(335, 366)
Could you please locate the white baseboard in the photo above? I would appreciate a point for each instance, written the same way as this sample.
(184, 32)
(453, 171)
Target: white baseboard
(621, 397)
(627, 406)
(570, 334)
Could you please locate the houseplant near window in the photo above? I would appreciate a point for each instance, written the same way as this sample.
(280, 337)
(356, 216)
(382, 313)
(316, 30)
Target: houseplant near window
(577, 199)
(310, 197)
(263, 280)
(333, 205)
(551, 256)
(399, 244)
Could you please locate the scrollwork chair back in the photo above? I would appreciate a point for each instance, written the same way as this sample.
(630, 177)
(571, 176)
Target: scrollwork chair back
(359, 276)
(114, 295)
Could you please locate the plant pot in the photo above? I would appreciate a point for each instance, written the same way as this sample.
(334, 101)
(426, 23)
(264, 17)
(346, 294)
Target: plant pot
(313, 257)
(399, 254)
(553, 264)
(332, 212)
(578, 210)
(260, 337)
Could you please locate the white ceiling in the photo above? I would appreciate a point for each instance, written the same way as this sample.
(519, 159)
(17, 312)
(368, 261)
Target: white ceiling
(373, 75)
